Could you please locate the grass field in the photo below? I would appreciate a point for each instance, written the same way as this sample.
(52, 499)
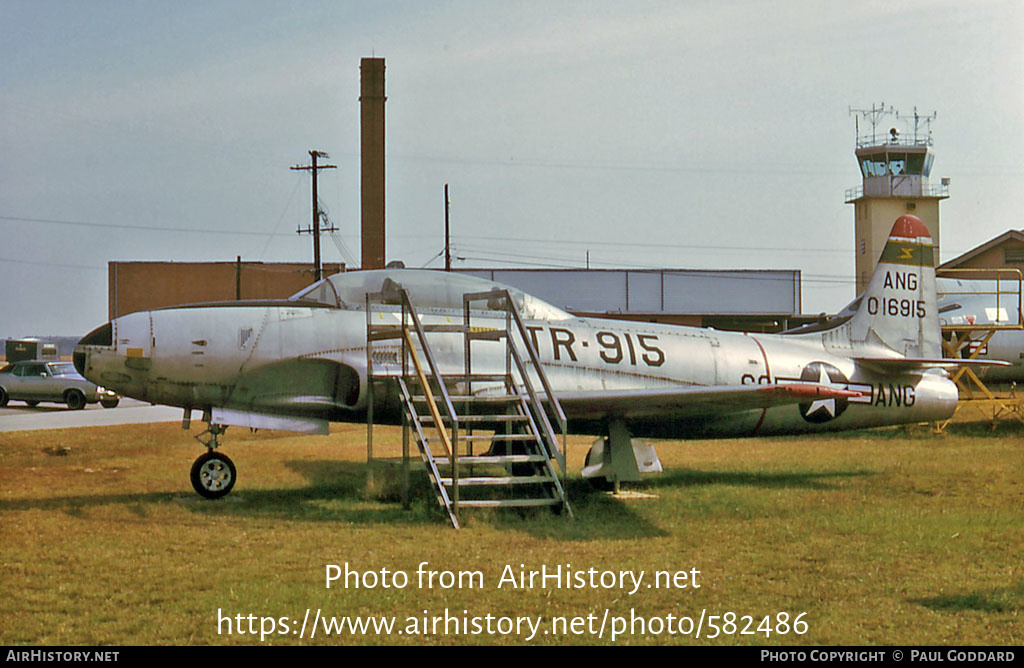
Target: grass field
(897, 537)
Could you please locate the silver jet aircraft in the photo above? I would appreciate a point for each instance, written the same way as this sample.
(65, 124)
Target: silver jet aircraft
(978, 304)
(296, 364)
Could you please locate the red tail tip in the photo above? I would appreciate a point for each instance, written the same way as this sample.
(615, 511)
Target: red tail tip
(909, 227)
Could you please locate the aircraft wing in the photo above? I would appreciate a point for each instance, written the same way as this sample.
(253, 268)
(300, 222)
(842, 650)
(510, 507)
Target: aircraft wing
(692, 401)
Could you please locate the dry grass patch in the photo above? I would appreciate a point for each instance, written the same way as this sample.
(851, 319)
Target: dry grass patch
(883, 537)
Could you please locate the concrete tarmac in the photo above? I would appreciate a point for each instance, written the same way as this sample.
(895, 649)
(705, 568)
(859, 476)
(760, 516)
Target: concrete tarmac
(18, 416)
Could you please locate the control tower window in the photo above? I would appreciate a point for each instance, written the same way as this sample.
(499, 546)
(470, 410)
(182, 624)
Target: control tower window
(915, 163)
(893, 164)
(897, 163)
(875, 165)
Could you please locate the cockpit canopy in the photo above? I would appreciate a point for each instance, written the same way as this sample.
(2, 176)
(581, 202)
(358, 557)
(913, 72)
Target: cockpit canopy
(427, 289)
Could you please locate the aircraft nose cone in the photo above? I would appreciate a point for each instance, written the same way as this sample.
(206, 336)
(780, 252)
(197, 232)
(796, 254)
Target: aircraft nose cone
(101, 336)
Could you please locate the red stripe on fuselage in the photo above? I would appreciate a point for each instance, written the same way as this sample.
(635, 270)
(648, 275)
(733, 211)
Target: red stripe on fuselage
(768, 373)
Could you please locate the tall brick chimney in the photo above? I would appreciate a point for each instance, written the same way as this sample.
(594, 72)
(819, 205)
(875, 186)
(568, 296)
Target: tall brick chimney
(371, 101)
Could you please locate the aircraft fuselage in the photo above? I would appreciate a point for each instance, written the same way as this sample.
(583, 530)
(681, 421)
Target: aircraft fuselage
(294, 359)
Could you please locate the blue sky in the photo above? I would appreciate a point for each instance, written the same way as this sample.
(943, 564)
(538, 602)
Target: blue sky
(651, 134)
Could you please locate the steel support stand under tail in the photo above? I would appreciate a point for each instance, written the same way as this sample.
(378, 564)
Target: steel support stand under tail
(622, 458)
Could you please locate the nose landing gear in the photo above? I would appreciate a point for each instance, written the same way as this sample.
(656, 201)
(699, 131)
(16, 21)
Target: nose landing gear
(213, 474)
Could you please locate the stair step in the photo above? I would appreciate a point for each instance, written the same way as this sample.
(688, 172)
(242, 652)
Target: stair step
(492, 459)
(461, 377)
(487, 335)
(391, 331)
(508, 503)
(475, 398)
(499, 480)
(429, 419)
(493, 418)
(475, 438)
(494, 377)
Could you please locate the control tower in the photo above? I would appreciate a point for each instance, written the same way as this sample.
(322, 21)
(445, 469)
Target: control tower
(895, 166)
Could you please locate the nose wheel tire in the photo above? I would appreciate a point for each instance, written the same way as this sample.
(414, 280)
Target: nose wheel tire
(213, 475)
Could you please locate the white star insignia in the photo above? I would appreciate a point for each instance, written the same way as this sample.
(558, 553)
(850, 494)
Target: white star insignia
(828, 404)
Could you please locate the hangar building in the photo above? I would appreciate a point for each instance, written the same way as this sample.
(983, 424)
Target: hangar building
(749, 300)
(143, 286)
(755, 300)
(1003, 252)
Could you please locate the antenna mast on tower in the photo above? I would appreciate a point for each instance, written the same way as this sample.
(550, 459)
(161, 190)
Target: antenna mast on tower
(918, 120)
(874, 114)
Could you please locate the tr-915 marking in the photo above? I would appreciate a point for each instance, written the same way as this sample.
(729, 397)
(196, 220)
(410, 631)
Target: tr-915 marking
(612, 349)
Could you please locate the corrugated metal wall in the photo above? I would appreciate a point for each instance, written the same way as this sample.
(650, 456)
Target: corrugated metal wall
(658, 291)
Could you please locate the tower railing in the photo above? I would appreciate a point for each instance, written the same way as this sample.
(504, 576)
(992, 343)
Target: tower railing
(940, 190)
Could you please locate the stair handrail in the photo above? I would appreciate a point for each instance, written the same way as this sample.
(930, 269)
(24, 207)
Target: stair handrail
(428, 456)
(388, 294)
(549, 432)
(406, 303)
(431, 362)
(450, 443)
(428, 393)
(510, 307)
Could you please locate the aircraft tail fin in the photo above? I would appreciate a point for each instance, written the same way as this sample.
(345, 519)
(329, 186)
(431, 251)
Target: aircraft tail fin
(899, 310)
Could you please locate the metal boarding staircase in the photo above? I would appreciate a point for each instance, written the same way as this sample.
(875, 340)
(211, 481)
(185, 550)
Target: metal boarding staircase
(452, 411)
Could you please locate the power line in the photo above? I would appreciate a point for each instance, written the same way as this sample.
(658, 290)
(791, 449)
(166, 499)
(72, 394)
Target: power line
(456, 240)
(270, 237)
(145, 228)
(619, 244)
(466, 248)
(346, 252)
(804, 278)
(52, 264)
(778, 169)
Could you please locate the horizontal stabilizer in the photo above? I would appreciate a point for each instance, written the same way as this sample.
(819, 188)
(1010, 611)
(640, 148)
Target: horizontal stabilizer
(693, 401)
(906, 364)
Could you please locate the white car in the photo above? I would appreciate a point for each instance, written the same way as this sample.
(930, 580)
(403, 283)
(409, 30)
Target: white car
(37, 381)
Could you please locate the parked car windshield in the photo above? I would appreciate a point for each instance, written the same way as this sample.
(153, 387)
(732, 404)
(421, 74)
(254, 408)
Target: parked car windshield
(63, 369)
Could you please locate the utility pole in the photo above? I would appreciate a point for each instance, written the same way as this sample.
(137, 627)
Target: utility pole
(447, 236)
(315, 228)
